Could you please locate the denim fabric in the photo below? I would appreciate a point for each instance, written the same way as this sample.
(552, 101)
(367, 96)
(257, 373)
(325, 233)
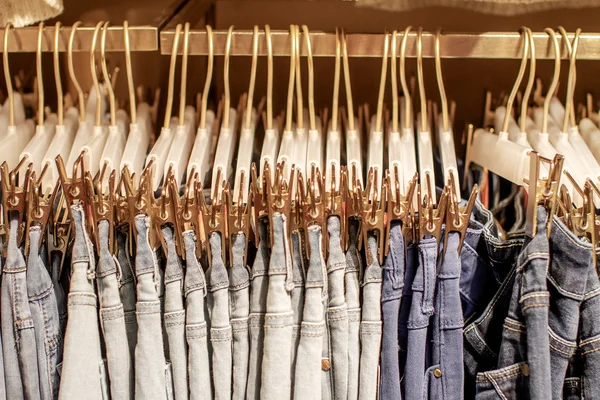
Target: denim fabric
(59, 290)
(405, 305)
(127, 287)
(152, 384)
(337, 311)
(220, 328)
(2, 383)
(589, 339)
(310, 349)
(83, 374)
(445, 377)
(524, 357)
(393, 283)
(258, 307)
(196, 330)
(370, 325)
(298, 270)
(44, 312)
(279, 319)
(239, 305)
(174, 316)
(112, 320)
(352, 280)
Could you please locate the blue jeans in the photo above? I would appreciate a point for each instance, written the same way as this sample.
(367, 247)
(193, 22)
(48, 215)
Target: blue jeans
(352, 281)
(127, 285)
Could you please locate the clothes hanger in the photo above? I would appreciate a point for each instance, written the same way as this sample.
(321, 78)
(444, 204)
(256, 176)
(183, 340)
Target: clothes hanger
(314, 151)
(394, 142)
(183, 138)
(246, 142)
(333, 144)
(18, 134)
(199, 162)
(302, 119)
(138, 139)
(45, 129)
(228, 132)
(66, 126)
(445, 133)
(589, 129)
(424, 141)
(157, 156)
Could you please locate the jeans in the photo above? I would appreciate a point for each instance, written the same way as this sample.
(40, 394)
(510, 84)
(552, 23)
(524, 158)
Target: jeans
(220, 327)
(405, 305)
(337, 311)
(83, 374)
(239, 304)
(59, 291)
(2, 382)
(352, 280)
(153, 383)
(174, 316)
(127, 287)
(310, 349)
(258, 307)
(371, 324)
(44, 312)
(120, 365)
(279, 319)
(589, 337)
(444, 379)
(393, 283)
(298, 270)
(196, 330)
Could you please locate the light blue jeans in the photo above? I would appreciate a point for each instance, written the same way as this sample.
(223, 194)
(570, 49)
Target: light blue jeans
(352, 280)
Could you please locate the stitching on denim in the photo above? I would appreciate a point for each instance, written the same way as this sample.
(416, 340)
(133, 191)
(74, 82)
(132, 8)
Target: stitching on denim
(561, 351)
(560, 289)
(562, 341)
(513, 329)
(534, 305)
(590, 341)
(533, 295)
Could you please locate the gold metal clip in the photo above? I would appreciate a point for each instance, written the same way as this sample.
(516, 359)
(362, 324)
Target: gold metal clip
(372, 214)
(238, 216)
(40, 206)
(457, 217)
(14, 197)
(430, 217)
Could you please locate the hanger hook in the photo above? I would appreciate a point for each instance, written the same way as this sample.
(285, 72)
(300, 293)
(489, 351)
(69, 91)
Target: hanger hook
(440, 80)
(290, 94)
(299, 98)
(111, 92)
(59, 89)
(130, 84)
(174, 50)
(384, 63)
(184, 64)
(250, 98)
(407, 99)
(336, 83)
(209, 72)
(80, 95)
(40, 74)
(225, 123)
(530, 82)
(269, 77)
(7, 77)
(555, 78)
(422, 96)
(95, 73)
(393, 72)
(572, 77)
(347, 84)
(513, 92)
(311, 79)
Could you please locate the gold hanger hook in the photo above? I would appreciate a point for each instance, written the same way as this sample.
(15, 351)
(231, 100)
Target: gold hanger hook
(336, 83)
(40, 74)
(173, 64)
(209, 72)
(572, 77)
(8, 78)
(184, 64)
(290, 94)
(130, 84)
(530, 81)
(513, 92)
(440, 80)
(407, 99)
(269, 77)
(394, 82)
(59, 89)
(555, 77)
(111, 92)
(347, 84)
(311, 79)
(384, 63)
(95, 73)
(225, 122)
(80, 95)
(299, 99)
(422, 96)
(250, 98)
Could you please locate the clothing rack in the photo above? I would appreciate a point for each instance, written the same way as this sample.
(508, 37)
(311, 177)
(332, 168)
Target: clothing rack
(489, 45)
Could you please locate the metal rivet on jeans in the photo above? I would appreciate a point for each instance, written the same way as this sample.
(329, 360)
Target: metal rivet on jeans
(437, 373)
(325, 364)
(525, 369)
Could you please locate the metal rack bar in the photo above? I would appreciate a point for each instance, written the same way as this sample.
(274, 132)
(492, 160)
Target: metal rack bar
(24, 40)
(491, 45)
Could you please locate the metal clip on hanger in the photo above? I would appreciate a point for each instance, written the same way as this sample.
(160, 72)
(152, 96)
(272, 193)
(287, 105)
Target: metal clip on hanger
(14, 198)
(166, 211)
(101, 203)
(39, 206)
(313, 205)
(543, 191)
(457, 216)
(372, 215)
(399, 206)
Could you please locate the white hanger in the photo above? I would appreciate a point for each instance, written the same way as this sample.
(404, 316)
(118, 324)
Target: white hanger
(138, 139)
(407, 138)
(18, 135)
(161, 147)
(228, 132)
(394, 142)
(314, 151)
(183, 138)
(300, 134)
(18, 111)
(241, 183)
(424, 141)
(270, 146)
(334, 138)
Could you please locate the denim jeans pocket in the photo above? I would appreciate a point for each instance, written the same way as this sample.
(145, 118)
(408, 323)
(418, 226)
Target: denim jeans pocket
(103, 376)
(432, 389)
(169, 382)
(508, 383)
